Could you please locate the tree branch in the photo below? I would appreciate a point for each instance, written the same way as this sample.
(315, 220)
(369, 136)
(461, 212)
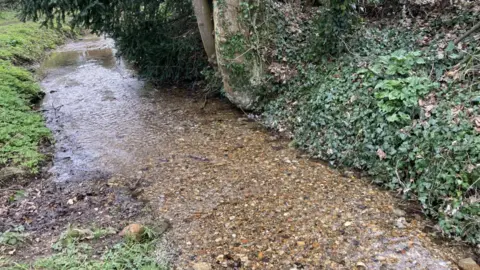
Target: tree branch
(468, 33)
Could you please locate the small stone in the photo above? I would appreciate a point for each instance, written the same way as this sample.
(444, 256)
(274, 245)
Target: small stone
(468, 264)
(202, 266)
(301, 243)
(260, 255)
(399, 212)
(134, 231)
(400, 223)
(347, 224)
(361, 265)
(243, 258)
(70, 202)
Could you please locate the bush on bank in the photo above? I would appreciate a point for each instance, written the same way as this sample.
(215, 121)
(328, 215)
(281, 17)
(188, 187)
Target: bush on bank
(392, 104)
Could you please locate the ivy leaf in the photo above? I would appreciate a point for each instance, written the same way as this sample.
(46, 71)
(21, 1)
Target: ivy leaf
(420, 61)
(393, 118)
(450, 46)
(454, 56)
(476, 100)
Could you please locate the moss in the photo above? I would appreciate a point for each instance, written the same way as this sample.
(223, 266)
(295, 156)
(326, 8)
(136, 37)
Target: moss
(21, 128)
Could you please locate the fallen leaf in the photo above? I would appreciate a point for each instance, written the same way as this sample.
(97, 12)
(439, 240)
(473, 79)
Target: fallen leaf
(381, 154)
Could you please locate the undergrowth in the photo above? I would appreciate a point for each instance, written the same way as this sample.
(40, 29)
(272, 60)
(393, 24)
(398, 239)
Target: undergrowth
(160, 38)
(21, 128)
(392, 103)
(77, 251)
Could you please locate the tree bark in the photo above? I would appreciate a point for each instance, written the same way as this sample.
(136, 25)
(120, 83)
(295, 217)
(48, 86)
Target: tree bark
(239, 87)
(203, 13)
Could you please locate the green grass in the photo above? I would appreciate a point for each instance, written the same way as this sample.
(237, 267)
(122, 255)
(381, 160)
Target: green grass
(13, 237)
(7, 17)
(73, 253)
(21, 128)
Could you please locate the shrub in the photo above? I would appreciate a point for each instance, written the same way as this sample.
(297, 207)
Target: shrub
(381, 108)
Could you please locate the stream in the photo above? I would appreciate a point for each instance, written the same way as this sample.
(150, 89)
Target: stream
(234, 195)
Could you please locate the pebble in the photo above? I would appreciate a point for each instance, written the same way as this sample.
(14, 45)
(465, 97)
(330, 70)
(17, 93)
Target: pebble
(134, 231)
(401, 223)
(399, 212)
(468, 264)
(202, 266)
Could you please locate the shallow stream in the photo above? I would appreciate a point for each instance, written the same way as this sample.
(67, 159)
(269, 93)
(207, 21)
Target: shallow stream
(236, 196)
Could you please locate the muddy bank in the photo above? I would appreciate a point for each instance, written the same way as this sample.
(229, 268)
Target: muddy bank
(75, 189)
(236, 196)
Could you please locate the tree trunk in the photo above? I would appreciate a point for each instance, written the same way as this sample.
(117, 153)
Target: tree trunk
(241, 69)
(203, 13)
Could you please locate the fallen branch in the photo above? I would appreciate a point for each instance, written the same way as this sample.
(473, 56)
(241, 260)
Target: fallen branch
(468, 33)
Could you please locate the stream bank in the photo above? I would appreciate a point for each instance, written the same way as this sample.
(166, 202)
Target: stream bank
(235, 196)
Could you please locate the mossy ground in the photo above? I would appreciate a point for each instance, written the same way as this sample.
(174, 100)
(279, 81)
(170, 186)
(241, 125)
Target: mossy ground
(22, 129)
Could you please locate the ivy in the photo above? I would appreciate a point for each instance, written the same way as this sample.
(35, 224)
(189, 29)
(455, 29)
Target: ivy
(383, 105)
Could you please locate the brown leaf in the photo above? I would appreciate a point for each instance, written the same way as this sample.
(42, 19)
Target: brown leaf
(381, 154)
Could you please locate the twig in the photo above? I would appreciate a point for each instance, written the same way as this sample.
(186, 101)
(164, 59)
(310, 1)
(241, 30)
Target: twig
(468, 33)
(236, 58)
(13, 188)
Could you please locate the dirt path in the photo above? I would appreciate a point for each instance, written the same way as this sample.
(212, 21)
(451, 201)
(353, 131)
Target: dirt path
(236, 196)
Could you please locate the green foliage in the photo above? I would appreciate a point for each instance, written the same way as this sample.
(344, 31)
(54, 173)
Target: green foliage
(397, 89)
(387, 109)
(74, 254)
(13, 236)
(160, 37)
(334, 25)
(213, 81)
(8, 4)
(21, 129)
(26, 43)
(73, 235)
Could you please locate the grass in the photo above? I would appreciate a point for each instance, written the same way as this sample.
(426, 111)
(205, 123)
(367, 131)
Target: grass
(21, 128)
(13, 237)
(75, 254)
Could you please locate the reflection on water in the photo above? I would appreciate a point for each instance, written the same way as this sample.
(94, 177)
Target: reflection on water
(92, 105)
(104, 57)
